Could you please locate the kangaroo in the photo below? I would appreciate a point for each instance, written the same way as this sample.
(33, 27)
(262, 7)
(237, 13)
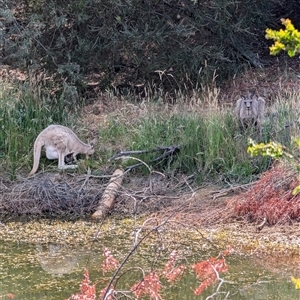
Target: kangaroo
(250, 112)
(59, 141)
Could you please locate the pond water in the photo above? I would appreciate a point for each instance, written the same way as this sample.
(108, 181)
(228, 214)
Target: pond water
(53, 271)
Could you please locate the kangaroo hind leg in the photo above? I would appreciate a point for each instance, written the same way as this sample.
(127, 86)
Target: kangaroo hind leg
(61, 163)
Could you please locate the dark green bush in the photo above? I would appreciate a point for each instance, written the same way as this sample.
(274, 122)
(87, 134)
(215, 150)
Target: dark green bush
(137, 45)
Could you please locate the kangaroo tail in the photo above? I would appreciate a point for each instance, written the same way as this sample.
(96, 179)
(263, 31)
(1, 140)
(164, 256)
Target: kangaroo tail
(36, 155)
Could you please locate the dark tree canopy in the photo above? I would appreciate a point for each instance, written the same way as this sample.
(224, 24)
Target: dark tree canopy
(133, 45)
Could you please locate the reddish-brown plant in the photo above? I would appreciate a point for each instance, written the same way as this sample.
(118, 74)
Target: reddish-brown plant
(208, 271)
(176, 273)
(150, 285)
(109, 262)
(271, 197)
(171, 273)
(87, 291)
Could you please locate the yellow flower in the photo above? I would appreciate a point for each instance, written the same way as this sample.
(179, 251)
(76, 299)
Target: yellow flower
(276, 47)
(288, 24)
(279, 45)
(296, 281)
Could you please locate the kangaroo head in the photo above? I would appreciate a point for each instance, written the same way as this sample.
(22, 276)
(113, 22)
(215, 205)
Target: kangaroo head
(92, 143)
(247, 102)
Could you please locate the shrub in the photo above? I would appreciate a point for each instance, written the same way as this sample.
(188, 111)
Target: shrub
(271, 198)
(285, 40)
(133, 46)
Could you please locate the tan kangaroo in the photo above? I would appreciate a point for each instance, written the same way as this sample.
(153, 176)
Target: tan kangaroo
(250, 112)
(59, 141)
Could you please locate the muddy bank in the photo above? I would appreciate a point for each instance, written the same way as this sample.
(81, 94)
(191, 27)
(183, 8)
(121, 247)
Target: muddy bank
(278, 240)
(56, 208)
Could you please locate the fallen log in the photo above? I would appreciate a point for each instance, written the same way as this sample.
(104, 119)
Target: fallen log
(109, 195)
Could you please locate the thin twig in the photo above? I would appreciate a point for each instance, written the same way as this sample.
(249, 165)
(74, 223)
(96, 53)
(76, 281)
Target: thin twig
(86, 180)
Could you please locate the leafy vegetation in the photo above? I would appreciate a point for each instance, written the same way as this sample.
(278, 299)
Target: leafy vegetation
(135, 47)
(272, 149)
(285, 40)
(296, 281)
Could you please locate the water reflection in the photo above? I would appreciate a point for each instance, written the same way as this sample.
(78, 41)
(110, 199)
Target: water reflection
(57, 258)
(31, 272)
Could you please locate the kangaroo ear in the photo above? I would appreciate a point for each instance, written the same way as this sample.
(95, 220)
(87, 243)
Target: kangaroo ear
(93, 142)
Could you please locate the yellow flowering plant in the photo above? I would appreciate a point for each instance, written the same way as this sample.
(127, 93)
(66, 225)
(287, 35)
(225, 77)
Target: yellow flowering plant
(274, 150)
(287, 39)
(296, 281)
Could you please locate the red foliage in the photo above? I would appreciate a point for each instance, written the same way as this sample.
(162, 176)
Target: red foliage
(208, 272)
(175, 273)
(87, 291)
(170, 272)
(150, 285)
(271, 198)
(109, 262)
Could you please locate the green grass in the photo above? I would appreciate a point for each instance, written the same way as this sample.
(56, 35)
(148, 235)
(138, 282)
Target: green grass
(211, 145)
(283, 121)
